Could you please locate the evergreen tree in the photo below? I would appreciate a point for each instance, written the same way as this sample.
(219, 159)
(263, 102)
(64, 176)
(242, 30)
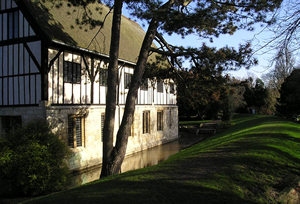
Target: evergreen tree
(290, 95)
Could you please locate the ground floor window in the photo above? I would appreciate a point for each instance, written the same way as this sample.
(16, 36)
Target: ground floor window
(170, 119)
(102, 125)
(10, 123)
(132, 129)
(146, 122)
(160, 120)
(75, 131)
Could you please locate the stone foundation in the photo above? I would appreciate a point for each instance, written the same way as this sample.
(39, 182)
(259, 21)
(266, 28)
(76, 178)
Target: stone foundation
(90, 154)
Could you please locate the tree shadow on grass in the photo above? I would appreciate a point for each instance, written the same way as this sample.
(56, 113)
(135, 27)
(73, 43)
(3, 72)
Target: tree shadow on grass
(153, 191)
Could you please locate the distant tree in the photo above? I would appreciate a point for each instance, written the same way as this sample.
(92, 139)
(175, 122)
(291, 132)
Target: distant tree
(284, 65)
(290, 95)
(203, 89)
(233, 99)
(255, 94)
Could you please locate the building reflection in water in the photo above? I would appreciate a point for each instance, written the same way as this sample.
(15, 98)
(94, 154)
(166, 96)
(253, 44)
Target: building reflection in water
(134, 161)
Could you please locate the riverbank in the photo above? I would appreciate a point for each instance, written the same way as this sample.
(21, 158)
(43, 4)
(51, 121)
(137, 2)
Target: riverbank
(256, 160)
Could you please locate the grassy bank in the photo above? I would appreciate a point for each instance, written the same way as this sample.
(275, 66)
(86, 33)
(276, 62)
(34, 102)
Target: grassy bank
(251, 162)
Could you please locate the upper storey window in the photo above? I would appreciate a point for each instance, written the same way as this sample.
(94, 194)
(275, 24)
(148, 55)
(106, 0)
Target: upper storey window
(172, 88)
(160, 86)
(127, 80)
(13, 24)
(9, 25)
(103, 77)
(144, 85)
(72, 72)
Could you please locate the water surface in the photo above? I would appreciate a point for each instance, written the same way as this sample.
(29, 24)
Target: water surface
(142, 159)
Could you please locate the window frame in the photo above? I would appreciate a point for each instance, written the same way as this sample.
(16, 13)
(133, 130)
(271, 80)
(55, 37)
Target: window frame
(12, 20)
(127, 80)
(72, 131)
(160, 86)
(144, 85)
(160, 120)
(70, 73)
(146, 122)
(172, 88)
(103, 75)
(102, 120)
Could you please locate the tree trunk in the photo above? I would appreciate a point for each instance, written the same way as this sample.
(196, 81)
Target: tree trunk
(112, 82)
(119, 151)
(124, 129)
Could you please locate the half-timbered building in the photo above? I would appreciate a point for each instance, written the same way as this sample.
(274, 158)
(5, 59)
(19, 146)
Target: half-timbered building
(54, 67)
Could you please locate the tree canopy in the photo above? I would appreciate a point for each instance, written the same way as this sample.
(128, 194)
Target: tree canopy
(290, 95)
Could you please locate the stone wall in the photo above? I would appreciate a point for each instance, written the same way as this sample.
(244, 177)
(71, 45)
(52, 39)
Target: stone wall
(27, 113)
(90, 154)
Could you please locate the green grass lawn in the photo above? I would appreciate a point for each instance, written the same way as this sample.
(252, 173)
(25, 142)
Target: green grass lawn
(198, 122)
(250, 162)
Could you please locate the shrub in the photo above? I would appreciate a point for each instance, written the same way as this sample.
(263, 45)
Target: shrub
(32, 161)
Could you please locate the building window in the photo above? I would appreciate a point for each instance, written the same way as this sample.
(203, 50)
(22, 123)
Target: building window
(160, 120)
(75, 131)
(132, 129)
(144, 85)
(172, 88)
(13, 25)
(103, 77)
(102, 125)
(160, 86)
(72, 72)
(10, 123)
(146, 122)
(127, 80)
(170, 119)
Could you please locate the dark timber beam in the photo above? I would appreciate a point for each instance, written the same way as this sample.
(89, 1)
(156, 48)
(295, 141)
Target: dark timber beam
(19, 40)
(53, 60)
(32, 57)
(44, 73)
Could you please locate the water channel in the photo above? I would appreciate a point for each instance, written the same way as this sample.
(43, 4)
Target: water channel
(134, 161)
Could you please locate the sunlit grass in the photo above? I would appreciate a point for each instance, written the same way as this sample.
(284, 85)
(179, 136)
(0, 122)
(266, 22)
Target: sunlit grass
(194, 122)
(254, 159)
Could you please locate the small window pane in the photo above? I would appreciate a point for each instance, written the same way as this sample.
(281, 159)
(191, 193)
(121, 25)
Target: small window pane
(72, 72)
(78, 132)
(16, 24)
(127, 80)
(75, 138)
(172, 88)
(160, 120)
(70, 132)
(103, 77)
(144, 85)
(146, 122)
(160, 86)
(102, 125)
(10, 26)
(1, 27)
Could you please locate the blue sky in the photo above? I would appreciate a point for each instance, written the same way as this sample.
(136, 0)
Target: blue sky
(239, 37)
